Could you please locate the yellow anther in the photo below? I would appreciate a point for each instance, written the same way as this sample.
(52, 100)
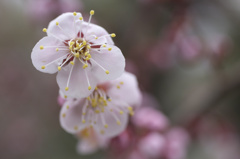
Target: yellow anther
(57, 23)
(77, 45)
(102, 132)
(113, 35)
(130, 108)
(95, 122)
(83, 121)
(63, 115)
(57, 49)
(109, 99)
(44, 30)
(121, 112)
(118, 122)
(76, 127)
(74, 13)
(43, 67)
(92, 12)
(104, 45)
(107, 72)
(109, 49)
(83, 113)
(91, 126)
(85, 66)
(88, 98)
(88, 46)
(65, 96)
(80, 18)
(111, 110)
(66, 89)
(86, 53)
(84, 43)
(106, 126)
(121, 83)
(102, 110)
(118, 87)
(71, 43)
(89, 56)
(76, 55)
(96, 37)
(67, 106)
(41, 47)
(131, 113)
(97, 111)
(72, 62)
(105, 103)
(70, 47)
(89, 87)
(96, 88)
(59, 68)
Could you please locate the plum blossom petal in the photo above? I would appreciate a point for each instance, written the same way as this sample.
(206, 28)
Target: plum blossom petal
(77, 80)
(71, 116)
(85, 147)
(65, 26)
(155, 120)
(89, 141)
(96, 34)
(104, 60)
(44, 54)
(116, 121)
(122, 86)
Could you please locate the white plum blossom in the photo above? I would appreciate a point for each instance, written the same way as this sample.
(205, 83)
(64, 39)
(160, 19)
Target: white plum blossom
(83, 53)
(90, 142)
(106, 110)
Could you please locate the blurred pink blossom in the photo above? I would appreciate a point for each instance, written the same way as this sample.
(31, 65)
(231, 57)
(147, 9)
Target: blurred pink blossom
(45, 10)
(152, 145)
(177, 140)
(154, 120)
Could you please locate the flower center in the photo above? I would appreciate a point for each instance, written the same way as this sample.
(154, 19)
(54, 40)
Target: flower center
(80, 49)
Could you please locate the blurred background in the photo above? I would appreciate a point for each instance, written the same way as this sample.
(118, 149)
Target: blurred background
(185, 54)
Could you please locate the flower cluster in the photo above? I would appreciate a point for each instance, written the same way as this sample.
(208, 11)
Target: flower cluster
(97, 95)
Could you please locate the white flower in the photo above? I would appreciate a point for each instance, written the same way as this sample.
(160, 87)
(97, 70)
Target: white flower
(105, 110)
(83, 53)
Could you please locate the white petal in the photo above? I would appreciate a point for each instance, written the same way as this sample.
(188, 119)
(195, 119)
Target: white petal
(68, 27)
(127, 84)
(71, 116)
(112, 61)
(85, 147)
(92, 29)
(47, 55)
(78, 85)
(113, 128)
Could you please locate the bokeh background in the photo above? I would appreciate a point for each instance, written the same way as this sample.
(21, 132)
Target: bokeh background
(185, 54)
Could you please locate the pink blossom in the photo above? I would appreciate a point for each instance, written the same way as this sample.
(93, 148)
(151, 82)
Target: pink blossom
(42, 10)
(83, 53)
(152, 145)
(105, 110)
(177, 141)
(149, 118)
